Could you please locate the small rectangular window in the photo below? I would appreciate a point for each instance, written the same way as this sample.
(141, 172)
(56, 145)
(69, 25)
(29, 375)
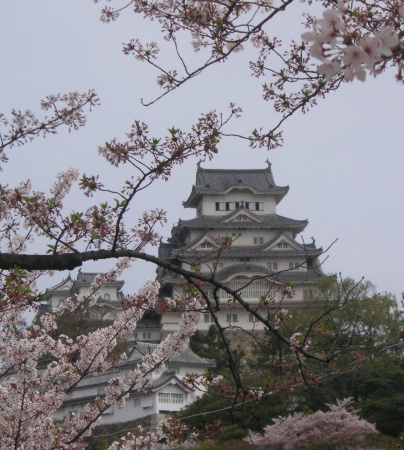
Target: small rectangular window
(259, 206)
(220, 206)
(164, 397)
(252, 318)
(232, 318)
(258, 240)
(297, 266)
(229, 206)
(237, 205)
(177, 398)
(245, 259)
(290, 265)
(248, 205)
(207, 317)
(144, 335)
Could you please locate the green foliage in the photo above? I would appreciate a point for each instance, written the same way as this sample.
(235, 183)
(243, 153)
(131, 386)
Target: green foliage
(238, 417)
(210, 345)
(363, 329)
(348, 322)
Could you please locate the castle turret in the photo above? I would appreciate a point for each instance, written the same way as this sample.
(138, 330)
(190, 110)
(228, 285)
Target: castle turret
(239, 207)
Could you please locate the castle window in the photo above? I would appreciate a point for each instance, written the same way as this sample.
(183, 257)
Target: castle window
(259, 206)
(220, 206)
(208, 317)
(252, 318)
(232, 318)
(206, 245)
(107, 297)
(217, 266)
(258, 240)
(229, 206)
(245, 259)
(101, 391)
(290, 265)
(171, 398)
(307, 294)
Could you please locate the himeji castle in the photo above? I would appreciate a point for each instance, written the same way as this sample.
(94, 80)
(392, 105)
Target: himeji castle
(265, 254)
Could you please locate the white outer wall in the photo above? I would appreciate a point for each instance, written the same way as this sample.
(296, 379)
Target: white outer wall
(236, 195)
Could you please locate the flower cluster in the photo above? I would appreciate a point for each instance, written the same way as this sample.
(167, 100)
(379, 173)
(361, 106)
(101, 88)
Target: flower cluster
(299, 342)
(340, 426)
(341, 48)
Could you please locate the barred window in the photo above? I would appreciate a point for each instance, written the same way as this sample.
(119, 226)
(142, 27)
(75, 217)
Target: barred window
(165, 397)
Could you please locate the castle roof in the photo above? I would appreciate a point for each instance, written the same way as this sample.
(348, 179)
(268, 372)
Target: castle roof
(68, 285)
(220, 181)
(186, 358)
(286, 276)
(253, 251)
(265, 221)
(251, 271)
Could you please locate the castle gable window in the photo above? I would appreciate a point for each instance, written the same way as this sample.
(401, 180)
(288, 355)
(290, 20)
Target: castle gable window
(171, 398)
(206, 244)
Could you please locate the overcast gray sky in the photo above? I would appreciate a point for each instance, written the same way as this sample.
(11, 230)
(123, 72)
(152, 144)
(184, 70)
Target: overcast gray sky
(343, 160)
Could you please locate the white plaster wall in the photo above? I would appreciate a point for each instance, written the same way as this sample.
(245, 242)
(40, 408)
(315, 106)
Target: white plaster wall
(209, 202)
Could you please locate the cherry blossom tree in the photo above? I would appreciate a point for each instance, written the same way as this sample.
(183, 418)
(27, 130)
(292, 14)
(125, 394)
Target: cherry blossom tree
(338, 428)
(350, 41)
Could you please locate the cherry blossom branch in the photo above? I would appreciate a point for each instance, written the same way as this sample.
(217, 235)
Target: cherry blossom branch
(67, 110)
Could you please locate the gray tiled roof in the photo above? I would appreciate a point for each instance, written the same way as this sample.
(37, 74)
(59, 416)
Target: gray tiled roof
(289, 276)
(265, 221)
(214, 181)
(102, 380)
(165, 250)
(253, 251)
(88, 278)
(185, 358)
(144, 323)
(308, 276)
